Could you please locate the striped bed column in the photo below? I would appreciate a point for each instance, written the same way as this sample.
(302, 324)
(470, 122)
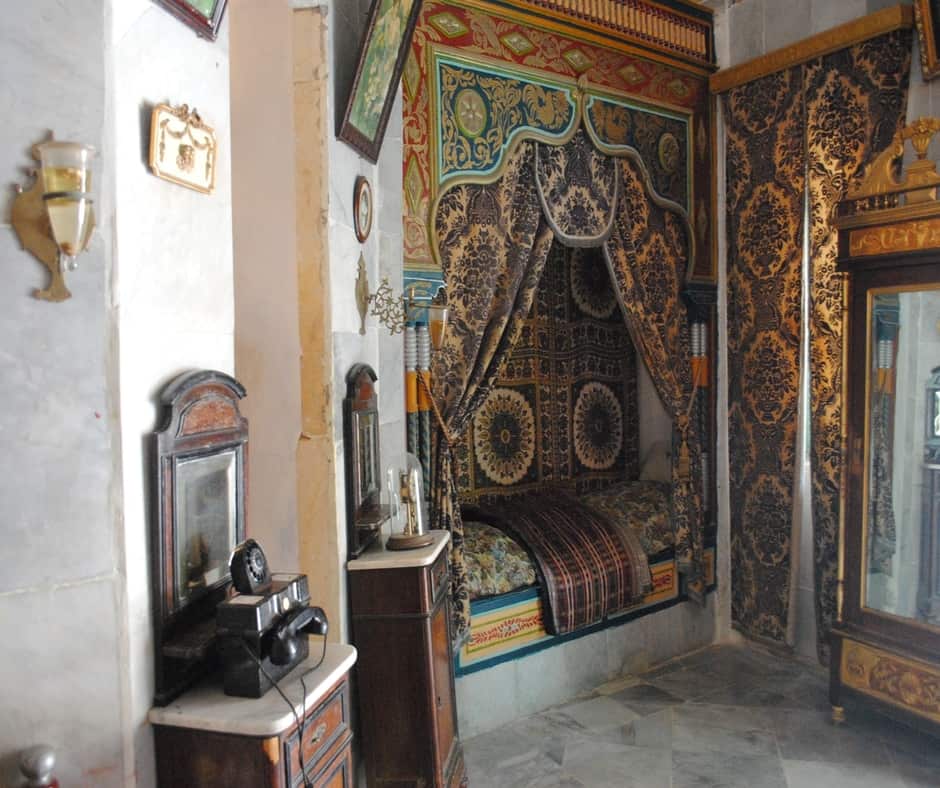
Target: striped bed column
(411, 389)
(423, 342)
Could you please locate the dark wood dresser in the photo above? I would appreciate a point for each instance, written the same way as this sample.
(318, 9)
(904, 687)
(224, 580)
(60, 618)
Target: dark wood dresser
(206, 739)
(886, 641)
(400, 603)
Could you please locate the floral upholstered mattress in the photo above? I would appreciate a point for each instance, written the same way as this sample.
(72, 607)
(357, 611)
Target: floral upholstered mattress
(497, 564)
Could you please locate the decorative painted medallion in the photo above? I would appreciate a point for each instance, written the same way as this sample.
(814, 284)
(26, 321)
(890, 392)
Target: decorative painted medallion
(591, 287)
(598, 427)
(504, 436)
(517, 43)
(413, 184)
(411, 76)
(632, 75)
(679, 89)
(670, 155)
(448, 25)
(578, 60)
(470, 112)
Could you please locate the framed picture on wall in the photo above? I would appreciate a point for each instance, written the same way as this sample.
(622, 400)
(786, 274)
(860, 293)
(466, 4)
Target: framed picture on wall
(382, 56)
(203, 16)
(927, 14)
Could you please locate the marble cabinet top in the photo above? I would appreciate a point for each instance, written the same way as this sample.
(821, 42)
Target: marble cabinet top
(377, 557)
(205, 707)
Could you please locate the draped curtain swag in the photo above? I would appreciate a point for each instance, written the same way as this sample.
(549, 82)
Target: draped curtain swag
(494, 240)
(812, 127)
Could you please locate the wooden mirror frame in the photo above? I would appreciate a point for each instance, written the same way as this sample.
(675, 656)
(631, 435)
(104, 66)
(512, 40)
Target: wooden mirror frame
(201, 420)
(364, 513)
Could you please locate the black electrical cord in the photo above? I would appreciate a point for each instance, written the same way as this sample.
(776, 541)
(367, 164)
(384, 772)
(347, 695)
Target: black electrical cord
(301, 719)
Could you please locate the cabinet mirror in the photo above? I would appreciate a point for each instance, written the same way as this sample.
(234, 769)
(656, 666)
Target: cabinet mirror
(901, 505)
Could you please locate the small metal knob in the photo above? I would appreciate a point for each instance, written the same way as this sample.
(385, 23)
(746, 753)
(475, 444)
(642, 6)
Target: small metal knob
(36, 765)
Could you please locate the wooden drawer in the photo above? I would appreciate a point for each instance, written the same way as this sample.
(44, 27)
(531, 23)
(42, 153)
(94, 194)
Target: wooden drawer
(338, 772)
(437, 579)
(326, 730)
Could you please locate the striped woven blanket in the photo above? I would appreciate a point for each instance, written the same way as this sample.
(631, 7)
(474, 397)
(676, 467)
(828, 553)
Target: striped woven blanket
(590, 569)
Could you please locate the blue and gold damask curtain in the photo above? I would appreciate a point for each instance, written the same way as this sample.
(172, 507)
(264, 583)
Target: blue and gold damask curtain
(647, 256)
(809, 129)
(494, 240)
(856, 100)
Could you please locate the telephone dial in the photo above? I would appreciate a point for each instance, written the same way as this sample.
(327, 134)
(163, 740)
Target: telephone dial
(263, 627)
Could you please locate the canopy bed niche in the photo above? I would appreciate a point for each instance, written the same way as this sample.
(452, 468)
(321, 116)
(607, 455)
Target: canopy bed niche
(560, 273)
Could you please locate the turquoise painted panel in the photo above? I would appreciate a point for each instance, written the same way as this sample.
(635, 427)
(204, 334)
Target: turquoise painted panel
(662, 139)
(483, 108)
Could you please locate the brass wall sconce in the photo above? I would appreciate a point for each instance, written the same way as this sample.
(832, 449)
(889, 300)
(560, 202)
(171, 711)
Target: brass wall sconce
(54, 218)
(394, 311)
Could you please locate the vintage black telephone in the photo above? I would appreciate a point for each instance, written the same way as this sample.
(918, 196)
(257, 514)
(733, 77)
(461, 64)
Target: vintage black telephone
(263, 628)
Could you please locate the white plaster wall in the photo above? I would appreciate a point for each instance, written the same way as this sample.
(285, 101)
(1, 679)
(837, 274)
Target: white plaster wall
(383, 255)
(172, 280)
(60, 591)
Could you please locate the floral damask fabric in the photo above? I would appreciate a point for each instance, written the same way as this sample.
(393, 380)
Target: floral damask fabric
(493, 244)
(493, 241)
(496, 563)
(641, 507)
(856, 100)
(563, 410)
(828, 118)
(578, 190)
(647, 257)
(764, 202)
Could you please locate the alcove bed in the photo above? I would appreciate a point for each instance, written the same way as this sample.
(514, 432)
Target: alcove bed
(557, 181)
(558, 274)
(562, 422)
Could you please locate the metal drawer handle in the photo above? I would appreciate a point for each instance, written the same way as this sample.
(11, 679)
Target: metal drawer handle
(318, 733)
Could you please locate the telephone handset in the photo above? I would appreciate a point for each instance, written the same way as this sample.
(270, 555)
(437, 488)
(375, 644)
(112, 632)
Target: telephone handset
(305, 621)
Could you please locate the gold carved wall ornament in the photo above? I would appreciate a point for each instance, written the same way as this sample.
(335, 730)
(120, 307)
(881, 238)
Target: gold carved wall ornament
(895, 210)
(182, 148)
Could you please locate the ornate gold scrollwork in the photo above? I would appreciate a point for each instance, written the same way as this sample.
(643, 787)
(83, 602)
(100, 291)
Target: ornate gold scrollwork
(920, 179)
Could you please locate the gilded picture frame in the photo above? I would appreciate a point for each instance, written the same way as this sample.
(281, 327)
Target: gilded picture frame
(182, 148)
(927, 16)
(203, 16)
(362, 208)
(382, 54)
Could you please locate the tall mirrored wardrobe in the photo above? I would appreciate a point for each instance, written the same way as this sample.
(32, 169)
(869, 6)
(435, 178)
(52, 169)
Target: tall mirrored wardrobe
(886, 643)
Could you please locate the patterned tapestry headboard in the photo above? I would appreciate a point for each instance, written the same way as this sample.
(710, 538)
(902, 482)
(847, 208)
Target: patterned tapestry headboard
(563, 411)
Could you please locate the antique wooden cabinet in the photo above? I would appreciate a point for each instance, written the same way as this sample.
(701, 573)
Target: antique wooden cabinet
(206, 739)
(886, 642)
(401, 626)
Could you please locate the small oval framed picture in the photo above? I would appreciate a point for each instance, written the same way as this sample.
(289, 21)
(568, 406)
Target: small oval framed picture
(362, 208)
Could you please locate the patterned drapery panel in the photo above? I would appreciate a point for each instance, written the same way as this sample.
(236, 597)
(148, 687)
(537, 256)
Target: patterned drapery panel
(856, 99)
(827, 118)
(493, 242)
(578, 190)
(647, 256)
(765, 166)
(563, 412)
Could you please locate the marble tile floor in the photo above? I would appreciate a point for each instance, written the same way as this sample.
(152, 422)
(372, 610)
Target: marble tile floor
(730, 716)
